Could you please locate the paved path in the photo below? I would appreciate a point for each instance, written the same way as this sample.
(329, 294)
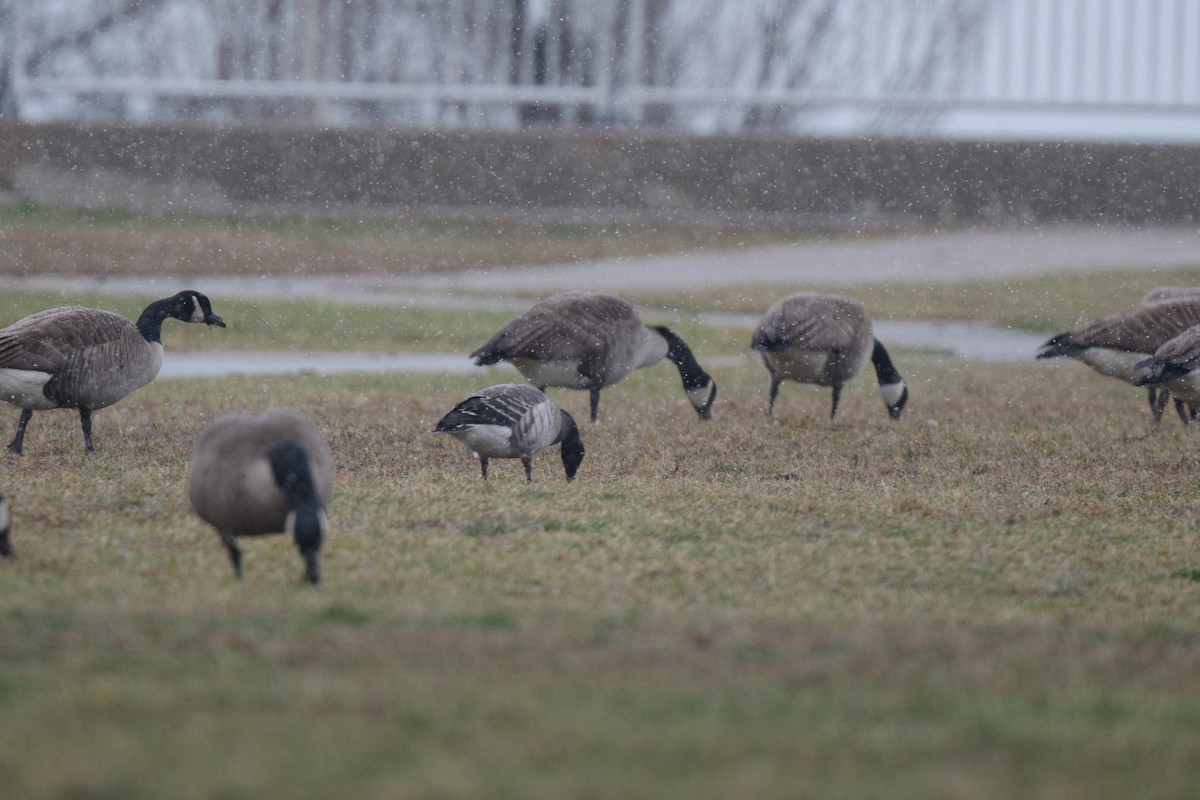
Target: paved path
(908, 257)
(904, 257)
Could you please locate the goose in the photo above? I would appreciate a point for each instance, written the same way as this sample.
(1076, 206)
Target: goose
(86, 358)
(825, 340)
(1115, 344)
(583, 340)
(1175, 365)
(1158, 395)
(514, 420)
(6, 550)
(257, 474)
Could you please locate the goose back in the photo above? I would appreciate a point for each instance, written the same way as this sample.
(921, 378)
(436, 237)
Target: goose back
(575, 340)
(230, 480)
(814, 338)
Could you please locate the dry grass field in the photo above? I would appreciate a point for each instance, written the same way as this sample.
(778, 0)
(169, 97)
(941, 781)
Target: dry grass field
(993, 597)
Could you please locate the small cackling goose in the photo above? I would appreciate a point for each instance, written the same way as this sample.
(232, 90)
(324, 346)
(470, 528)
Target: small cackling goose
(514, 420)
(582, 340)
(256, 474)
(825, 340)
(6, 550)
(1115, 344)
(85, 358)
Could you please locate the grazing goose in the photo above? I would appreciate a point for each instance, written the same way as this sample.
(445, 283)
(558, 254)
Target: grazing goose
(581, 340)
(255, 474)
(1158, 395)
(514, 420)
(6, 550)
(1176, 365)
(826, 340)
(1115, 344)
(85, 358)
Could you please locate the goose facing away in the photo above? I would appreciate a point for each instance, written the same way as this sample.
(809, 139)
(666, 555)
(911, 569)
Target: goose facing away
(514, 420)
(6, 550)
(825, 340)
(583, 340)
(86, 358)
(258, 474)
(1114, 345)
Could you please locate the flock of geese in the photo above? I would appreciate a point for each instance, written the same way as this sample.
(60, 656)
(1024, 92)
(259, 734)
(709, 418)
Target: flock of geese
(255, 474)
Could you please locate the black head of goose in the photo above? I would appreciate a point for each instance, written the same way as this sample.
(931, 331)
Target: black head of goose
(825, 340)
(1114, 345)
(6, 550)
(258, 474)
(514, 420)
(583, 340)
(86, 358)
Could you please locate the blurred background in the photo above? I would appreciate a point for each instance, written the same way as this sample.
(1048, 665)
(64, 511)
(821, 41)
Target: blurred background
(1035, 68)
(1061, 73)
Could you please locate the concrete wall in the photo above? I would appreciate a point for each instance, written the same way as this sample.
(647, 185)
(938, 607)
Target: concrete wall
(184, 169)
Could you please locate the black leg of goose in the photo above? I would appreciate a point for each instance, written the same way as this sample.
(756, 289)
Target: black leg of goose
(19, 440)
(1185, 416)
(483, 465)
(1158, 401)
(85, 422)
(837, 395)
(773, 394)
(528, 462)
(595, 398)
(235, 553)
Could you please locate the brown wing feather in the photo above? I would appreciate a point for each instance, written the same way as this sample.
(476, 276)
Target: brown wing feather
(572, 325)
(1183, 350)
(811, 322)
(95, 357)
(1140, 329)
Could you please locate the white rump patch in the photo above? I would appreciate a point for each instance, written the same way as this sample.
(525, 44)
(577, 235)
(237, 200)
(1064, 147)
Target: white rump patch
(493, 441)
(563, 373)
(23, 388)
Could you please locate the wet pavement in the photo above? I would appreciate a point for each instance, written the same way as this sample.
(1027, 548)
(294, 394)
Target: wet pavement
(935, 257)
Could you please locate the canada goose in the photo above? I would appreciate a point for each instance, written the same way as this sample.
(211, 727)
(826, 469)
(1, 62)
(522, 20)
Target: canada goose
(581, 340)
(826, 340)
(255, 474)
(85, 358)
(514, 420)
(6, 550)
(1115, 344)
(1176, 365)
(1158, 395)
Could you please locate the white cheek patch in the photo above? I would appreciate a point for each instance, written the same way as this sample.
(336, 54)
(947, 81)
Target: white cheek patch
(892, 392)
(197, 312)
(700, 395)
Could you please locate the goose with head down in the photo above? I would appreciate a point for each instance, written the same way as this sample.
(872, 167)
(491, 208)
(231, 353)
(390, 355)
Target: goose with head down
(583, 340)
(514, 420)
(825, 340)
